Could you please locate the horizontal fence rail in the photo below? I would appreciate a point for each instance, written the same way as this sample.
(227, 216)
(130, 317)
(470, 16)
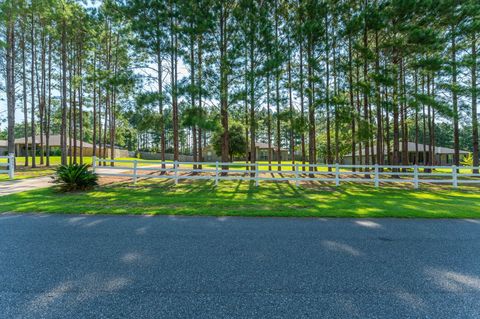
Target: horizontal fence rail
(295, 172)
(7, 165)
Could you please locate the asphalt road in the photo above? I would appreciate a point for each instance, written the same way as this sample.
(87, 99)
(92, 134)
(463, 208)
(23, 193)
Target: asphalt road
(58, 266)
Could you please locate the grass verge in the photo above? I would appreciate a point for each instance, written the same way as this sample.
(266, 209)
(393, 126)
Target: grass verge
(233, 198)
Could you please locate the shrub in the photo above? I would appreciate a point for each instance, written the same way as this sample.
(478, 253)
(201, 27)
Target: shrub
(467, 160)
(75, 177)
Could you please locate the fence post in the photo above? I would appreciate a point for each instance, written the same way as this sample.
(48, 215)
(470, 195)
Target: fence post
(376, 176)
(337, 175)
(11, 165)
(415, 176)
(94, 163)
(454, 176)
(175, 170)
(297, 182)
(135, 163)
(216, 173)
(257, 181)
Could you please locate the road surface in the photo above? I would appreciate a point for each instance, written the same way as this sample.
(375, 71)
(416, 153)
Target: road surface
(61, 266)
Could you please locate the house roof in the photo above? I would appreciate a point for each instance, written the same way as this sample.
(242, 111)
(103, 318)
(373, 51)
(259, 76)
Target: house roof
(3, 143)
(411, 148)
(54, 140)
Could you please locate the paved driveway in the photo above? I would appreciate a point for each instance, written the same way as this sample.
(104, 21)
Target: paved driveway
(22, 185)
(54, 266)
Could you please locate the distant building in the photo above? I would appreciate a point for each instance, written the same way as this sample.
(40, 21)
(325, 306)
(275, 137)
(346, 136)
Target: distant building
(443, 155)
(262, 150)
(261, 153)
(3, 148)
(54, 143)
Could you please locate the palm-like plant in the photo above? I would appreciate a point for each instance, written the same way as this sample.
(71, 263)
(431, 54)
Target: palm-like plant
(75, 177)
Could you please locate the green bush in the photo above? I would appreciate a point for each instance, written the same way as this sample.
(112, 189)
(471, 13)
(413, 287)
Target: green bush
(467, 160)
(75, 177)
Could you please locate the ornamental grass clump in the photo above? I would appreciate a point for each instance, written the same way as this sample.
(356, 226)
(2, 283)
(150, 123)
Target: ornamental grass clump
(75, 177)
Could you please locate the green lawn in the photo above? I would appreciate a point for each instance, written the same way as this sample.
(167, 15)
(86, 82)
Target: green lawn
(244, 199)
(23, 172)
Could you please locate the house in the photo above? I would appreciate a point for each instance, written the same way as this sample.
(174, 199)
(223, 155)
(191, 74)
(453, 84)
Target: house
(3, 147)
(261, 153)
(54, 143)
(443, 155)
(262, 150)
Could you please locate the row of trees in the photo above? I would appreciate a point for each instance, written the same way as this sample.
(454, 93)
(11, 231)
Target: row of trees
(67, 70)
(321, 78)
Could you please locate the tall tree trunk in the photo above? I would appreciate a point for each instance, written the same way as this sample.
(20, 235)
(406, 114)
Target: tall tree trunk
(474, 105)
(245, 108)
(253, 153)
(290, 99)
(311, 106)
(379, 149)
(24, 98)
(429, 115)
(424, 126)
(277, 91)
(10, 83)
(42, 95)
(199, 86)
(71, 75)
(416, 118)
(224, 84)
(269, 124)
(403, 112)
(192, 97)
(327, 95)
(73, 106)
(396, 129)
(360, 149)
(456, 140)
(335, 92)
(63, 129)
(80, 100)
(433, 159)
(387, 130)
(365, 95)
(160, 97)
(49, 106)
(113, 112)
(94, 128)
(352, 103)
(302, 105)
(173, 83)
(32, 84)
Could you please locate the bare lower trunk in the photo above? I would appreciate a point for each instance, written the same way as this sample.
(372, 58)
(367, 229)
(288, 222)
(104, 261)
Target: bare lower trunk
(474, 106)
(10, 85)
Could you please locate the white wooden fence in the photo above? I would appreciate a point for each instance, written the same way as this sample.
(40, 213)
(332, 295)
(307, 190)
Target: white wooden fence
(298, 172)
(8, 166)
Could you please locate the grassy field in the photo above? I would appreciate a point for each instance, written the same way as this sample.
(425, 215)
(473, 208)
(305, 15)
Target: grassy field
(23, 172)
(232, 198)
